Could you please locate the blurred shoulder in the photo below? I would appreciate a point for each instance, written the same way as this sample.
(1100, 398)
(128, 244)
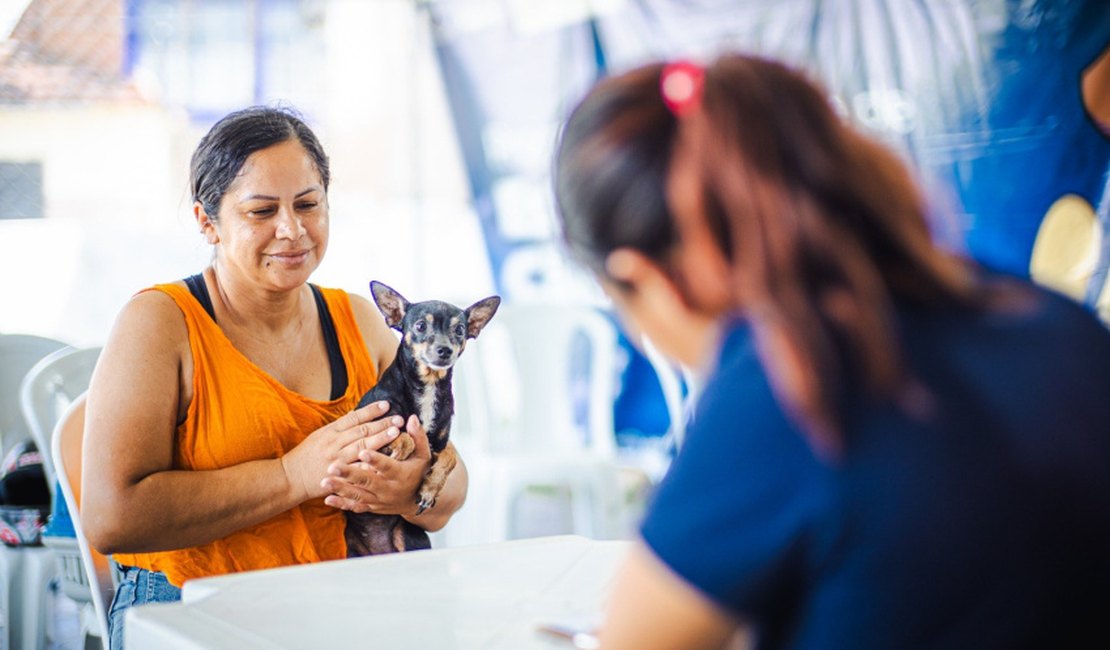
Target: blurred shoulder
(1046, 310)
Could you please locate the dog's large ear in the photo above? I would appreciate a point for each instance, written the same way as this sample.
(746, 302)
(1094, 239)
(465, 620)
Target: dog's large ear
(392, 304)
(478, 314)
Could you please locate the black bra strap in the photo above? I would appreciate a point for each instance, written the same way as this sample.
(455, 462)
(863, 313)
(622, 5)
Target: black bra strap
(199, 289)
(331, 342)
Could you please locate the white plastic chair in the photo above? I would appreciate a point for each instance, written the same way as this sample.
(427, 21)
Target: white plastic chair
(18, 354)
(66, 442)
(558, 380)
(24, 596)
(47, 391)
(678, 385)
(546, 377)
(25, 572)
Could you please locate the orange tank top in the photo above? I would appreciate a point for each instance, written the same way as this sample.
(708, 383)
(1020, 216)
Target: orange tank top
(240, 413)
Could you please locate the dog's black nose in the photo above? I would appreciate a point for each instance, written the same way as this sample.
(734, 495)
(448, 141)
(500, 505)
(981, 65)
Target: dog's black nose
(443, 351)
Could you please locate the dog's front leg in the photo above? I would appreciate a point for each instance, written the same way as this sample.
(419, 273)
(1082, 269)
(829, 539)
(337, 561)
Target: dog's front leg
(436, 478)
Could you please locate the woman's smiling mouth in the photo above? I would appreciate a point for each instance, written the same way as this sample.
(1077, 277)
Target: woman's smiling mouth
(290, 258)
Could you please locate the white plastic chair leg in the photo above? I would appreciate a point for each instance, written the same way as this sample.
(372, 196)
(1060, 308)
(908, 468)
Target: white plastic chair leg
(28, 572)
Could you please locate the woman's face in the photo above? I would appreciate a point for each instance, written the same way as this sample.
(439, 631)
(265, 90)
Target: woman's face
(679, 308)
(272, 229)
(654, 307)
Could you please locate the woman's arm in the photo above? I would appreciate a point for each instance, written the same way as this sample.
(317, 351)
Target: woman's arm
(132, 499)
(651, 607)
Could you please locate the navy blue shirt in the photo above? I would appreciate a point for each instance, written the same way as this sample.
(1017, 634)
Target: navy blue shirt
(984, 524)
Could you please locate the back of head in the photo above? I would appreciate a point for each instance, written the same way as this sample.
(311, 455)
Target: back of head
(222, 151)
(824, 230)
(610, 171)
(800, 191)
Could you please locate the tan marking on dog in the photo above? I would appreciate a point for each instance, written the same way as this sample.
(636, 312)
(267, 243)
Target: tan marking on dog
(430, 375)
(399, 537)
(426, 405)
(426, 374)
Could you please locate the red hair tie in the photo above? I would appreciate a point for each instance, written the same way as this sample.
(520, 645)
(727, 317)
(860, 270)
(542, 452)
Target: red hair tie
(680, 84)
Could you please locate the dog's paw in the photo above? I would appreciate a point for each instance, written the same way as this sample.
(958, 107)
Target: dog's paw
(402, 447)
(424, 502)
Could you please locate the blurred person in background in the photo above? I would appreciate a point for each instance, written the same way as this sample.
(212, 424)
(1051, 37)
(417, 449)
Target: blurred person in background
(895, 447)
(220, 433)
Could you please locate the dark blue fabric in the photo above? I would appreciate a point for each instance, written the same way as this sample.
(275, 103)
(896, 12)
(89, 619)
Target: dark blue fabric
(985, 524)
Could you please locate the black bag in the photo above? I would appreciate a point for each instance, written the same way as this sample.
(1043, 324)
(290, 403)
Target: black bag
(24, 496)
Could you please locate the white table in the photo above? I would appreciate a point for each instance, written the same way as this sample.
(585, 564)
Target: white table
(487, 596)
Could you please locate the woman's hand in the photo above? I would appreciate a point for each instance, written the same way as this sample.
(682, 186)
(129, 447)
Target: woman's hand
(374, 482)
(340, 443)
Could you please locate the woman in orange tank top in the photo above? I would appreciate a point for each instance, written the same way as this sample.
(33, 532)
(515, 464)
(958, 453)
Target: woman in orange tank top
(220, 430)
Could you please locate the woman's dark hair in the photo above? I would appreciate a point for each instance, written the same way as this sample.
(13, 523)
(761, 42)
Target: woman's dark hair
(824, 229)
(610, 168)
(222, 151)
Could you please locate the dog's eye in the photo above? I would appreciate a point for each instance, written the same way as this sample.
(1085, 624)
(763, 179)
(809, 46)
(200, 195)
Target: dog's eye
(460, 330)
(420, 326)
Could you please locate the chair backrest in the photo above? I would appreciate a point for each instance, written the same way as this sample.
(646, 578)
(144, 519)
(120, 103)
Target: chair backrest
(18, 354)
(47, 391)
(552, 375)
(677, 384)
(68, 436)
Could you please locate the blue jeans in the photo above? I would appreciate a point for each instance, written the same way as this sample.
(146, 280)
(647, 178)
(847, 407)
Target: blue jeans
(136, 587)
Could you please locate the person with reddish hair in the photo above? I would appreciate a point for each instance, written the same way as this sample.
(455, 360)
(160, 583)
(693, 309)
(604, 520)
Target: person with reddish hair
(895, 447)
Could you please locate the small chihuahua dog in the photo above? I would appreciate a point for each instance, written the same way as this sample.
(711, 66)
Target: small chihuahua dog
(433, 335)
